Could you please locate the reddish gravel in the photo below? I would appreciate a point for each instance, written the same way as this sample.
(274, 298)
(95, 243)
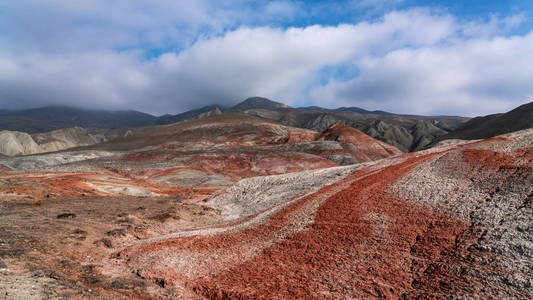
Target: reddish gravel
(496, 159)
(356, 144)
(235, 165)
(364, 242)
(147, 155)
(365, 143)
(451, 223)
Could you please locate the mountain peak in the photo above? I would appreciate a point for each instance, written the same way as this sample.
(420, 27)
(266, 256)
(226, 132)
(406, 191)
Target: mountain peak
(258, 103)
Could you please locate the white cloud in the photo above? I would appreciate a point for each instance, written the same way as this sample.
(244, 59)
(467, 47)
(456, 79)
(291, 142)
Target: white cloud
(495, 26)
(414, 61)
(478, 76)
(64, 25)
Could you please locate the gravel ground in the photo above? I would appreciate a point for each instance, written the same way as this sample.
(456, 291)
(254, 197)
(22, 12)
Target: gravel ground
(489, 185)
(252, 195)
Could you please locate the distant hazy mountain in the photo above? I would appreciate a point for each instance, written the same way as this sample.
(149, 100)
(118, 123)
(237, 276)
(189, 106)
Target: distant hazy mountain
(347, 109)
(492, 125)
(57, 117)
(258, 103)
(407, 133)
(191, 114)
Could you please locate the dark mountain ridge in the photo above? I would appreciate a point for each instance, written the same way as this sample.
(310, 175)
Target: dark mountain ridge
(496, 124)
(50, 118)
(258, 103)
(44, 119)
(406, 132)
(191, 114)
(347, 109)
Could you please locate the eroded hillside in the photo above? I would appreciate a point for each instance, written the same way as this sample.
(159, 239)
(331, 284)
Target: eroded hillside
(13, 143)
(235, 206)
(447, 222)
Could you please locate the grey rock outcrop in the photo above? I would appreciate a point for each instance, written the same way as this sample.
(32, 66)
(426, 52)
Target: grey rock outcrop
(17, 143)
(63, 139)
(395, 135)
(322, 122)
(424, 133)
(210, 113)
(13, 143)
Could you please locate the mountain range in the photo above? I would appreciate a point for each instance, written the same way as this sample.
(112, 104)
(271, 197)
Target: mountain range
(496, 124)
(406, 132)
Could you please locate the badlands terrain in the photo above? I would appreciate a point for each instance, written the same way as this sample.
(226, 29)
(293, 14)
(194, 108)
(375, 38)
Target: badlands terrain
(406, 132)
(266, 201)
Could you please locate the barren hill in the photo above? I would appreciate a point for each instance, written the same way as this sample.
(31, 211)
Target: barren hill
(448, 222)
(492, 125)
(358, 146)
(63, 139)
(17, 143)
(234, 206)
(258, 103)
(245, 132)
(406, 132)
(14, 143)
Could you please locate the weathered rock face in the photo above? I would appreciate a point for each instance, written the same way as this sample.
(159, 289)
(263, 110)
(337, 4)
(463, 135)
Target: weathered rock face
(14, 143)
(397, 136)
(210, 113)
(322, 122)
(63, 139)
(17, 143)
(412, 138)
(356, 146)
(424, 133)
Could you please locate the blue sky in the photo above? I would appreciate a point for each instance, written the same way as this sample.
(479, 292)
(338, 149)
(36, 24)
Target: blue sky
(469, 9)
(166, 56)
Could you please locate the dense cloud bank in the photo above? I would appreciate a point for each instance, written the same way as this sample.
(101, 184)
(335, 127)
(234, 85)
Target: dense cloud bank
(168, 56)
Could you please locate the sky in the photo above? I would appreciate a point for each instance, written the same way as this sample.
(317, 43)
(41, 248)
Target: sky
(446, 57)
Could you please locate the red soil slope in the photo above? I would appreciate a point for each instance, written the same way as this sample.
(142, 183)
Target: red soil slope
(364, 240)
(446, 222)
(209, 153)
(357, 144)
(240, 131)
